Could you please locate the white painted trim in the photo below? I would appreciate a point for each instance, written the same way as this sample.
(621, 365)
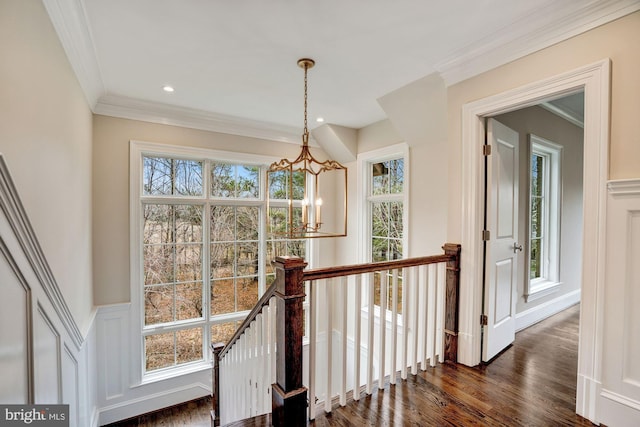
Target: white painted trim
(542, 290)
(73, 364)
(152, 402)
(618, 410)
(587, 391)
(527, 35)
(155, 112)
(563, 113)
(594, 79)
(624, 187)
(363, 184)
(540, 312)
(70, 22)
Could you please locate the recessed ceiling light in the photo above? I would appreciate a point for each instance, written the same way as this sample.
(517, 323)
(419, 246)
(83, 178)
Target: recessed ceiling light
(320, 120)
(167, 88)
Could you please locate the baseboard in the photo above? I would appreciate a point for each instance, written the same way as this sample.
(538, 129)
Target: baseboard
(587, 392)
(153, 402)
(95, 418)
(542, 311)
(617, 410)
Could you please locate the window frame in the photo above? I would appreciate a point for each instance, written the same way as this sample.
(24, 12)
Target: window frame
(549, 281)
(138, 150)
(365, 198)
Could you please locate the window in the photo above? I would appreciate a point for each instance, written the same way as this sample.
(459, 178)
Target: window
(385, 203)
(201, 253)
(544, 217)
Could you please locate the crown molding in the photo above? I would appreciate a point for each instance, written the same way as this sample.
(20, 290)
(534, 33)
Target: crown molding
(527, 35)
(70, 22)
(565, 114)
(155, 112)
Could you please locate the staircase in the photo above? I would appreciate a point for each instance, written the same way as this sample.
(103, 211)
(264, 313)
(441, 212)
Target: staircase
(317, 335)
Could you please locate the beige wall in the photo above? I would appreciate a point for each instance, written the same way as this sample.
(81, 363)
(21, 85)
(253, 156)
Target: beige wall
(542, 123)
(617, 41)
(45, 136)
(417, 117)
(111, 138)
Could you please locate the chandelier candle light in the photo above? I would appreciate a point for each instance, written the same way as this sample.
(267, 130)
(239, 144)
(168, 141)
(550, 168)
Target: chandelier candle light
(295, 205)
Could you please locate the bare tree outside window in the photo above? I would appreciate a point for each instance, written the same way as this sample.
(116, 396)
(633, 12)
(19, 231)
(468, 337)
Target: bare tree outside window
(386, 209)
(188, 298)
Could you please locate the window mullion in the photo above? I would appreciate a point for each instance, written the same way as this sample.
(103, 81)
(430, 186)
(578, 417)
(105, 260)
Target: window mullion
(206, 261)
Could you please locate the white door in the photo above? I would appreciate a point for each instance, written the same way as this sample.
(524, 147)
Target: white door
(502, 247)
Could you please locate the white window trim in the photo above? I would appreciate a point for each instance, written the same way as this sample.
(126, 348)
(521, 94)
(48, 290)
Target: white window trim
(136, 152)
(364, 183)
(543, 286)
(364, 214)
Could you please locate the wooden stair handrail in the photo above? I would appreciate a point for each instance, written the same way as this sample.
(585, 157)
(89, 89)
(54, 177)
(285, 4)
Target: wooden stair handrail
(347, 270)
(257, 309)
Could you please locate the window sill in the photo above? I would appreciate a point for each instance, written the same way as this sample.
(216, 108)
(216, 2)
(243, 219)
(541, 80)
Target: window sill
(541, 289)
(173, 372)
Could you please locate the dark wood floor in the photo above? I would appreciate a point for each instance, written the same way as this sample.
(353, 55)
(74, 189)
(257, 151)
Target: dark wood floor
(532, 383)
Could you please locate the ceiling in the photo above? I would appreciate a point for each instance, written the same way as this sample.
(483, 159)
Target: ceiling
(233, 63)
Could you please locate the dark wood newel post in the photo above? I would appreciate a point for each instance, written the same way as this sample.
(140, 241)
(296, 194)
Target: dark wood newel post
(215, 398)
(289, 397)
(452, 303)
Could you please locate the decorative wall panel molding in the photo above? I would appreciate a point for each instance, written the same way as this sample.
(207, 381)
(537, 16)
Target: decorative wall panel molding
(620, 390)
(43, 356)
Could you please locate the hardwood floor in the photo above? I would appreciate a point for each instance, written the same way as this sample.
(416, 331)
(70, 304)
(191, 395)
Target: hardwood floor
(532, 383)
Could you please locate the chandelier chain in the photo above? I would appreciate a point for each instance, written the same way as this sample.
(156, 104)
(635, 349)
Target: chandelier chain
(306, 131)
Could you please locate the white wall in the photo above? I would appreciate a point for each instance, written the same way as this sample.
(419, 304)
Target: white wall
(542, 123)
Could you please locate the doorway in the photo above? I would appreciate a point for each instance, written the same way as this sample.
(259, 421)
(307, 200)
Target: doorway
(594, 80)
(534, 199)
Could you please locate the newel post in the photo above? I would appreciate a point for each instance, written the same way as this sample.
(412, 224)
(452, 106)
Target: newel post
(215, 398)
(452, 302)
(289, 397)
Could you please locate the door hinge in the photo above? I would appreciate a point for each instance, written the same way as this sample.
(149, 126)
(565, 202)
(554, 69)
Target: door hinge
(484, 320)
(486, 150)
(486, 235)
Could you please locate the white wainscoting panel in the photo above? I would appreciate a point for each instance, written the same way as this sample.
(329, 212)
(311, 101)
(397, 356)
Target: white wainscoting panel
(48, 367)
(120, 396)
(44, 357)
(14, 334)
(619, 403)
(70, 385)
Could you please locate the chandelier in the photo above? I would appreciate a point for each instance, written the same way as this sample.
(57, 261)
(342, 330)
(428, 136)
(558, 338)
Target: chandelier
(306, 198)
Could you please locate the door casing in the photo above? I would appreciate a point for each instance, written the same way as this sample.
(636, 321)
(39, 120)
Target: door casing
(594, 79)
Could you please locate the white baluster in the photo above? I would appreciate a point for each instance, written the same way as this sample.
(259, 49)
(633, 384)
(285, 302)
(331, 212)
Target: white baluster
(313, 297)
(414, 310)
(424, 325)
(384, 281)
(406, 287)
(394, 325)
(370, 336)
(329, 337)
(431, 332)
(273, 309)
(343, 336)
(357, 337)
(441, 291)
